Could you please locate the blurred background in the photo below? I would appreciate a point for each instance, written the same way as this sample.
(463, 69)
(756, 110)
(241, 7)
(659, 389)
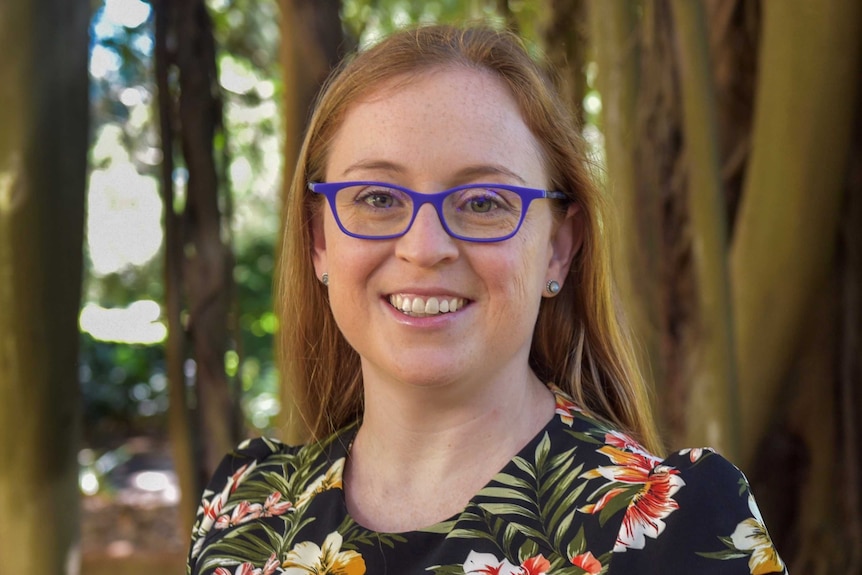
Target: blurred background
(143, 150)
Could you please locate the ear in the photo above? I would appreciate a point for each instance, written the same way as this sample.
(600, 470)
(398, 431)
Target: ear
(565, 243)
(318, 245)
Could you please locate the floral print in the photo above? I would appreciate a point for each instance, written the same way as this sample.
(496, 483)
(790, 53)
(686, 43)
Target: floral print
(249, 569)
(488, 564)
(580, 498)
(750, 539)
(649, 486)
(307, 557)
(588, 563)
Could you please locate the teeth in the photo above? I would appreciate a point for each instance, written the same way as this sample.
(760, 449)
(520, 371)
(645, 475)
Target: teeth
(420, 307)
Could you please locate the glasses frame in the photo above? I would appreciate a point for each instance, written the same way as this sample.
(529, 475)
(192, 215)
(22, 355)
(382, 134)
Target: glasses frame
(527, 195)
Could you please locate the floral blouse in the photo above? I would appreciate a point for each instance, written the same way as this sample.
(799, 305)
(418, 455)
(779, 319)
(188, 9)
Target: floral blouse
(581, 497)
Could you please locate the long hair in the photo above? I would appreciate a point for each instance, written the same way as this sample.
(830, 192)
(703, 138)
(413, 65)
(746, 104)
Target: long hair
(581, 342)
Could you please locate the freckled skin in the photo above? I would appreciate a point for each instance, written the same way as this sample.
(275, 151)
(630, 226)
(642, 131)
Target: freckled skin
(437, 130)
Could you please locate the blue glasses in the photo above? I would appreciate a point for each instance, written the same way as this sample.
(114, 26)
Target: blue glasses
(474, 212)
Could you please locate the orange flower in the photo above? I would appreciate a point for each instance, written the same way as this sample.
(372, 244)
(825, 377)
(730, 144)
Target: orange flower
(649, 506)
(537, 565)
(588, 563)
(565, 408)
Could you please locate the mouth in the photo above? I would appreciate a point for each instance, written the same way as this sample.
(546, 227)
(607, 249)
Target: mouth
(416, 306)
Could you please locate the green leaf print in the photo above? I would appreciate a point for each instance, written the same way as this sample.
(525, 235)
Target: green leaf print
(512, 481)
(542, 450)
(507, 493)
(508, 509)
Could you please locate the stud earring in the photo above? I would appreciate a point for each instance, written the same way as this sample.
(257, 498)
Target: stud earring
(553, 287)
(324, 279)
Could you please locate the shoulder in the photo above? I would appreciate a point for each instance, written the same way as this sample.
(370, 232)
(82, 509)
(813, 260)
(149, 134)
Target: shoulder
(695, 512)
(690, 512)
(233, 472)
(259, 479)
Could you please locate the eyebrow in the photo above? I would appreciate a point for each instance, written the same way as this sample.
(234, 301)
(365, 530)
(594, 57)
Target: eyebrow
(464, 173)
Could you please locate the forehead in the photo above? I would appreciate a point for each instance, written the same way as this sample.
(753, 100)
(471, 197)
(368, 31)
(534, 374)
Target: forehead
(444, 117)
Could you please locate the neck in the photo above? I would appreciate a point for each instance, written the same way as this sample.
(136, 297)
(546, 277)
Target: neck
(432, 417)
(439, 444)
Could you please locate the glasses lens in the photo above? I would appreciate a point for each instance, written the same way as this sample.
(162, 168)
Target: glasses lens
(483, 212)
(373, 210)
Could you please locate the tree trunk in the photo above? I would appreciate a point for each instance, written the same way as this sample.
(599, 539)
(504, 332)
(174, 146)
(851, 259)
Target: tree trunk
(712, 413)
(208, 269)
(662, 211)
(565, 40)
(850, 371)
(43, 164)
(184, 442)
(787, 223)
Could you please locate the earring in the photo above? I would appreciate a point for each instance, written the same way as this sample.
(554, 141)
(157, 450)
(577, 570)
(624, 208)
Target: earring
(324, 279)
(553, 287)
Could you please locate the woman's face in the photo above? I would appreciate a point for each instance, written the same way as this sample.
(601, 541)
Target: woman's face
(438, 130)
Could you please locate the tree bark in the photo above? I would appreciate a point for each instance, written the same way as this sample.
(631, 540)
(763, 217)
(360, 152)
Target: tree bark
(850, 378)
(712, 403)
(43, 164)
(787, 223)
(183, 438)
(565, 40)
(208, 269)
(663, 230)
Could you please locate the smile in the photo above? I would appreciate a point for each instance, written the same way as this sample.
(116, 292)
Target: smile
(423, 307)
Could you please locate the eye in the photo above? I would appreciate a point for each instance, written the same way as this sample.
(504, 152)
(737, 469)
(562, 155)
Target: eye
(481, 204)
(484, 201)
(379, 198)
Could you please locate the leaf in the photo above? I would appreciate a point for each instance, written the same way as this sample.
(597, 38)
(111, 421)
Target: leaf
(470, 534)
(525, 466)
(506, 493)
(542, 450)
(566, 492)
(509, 534)
(616, 504)
(559, 473)
(568, 501)
(277, 481)
(529, 549)
(531, 532)
(511, 480)
(444, 527)
(557, 533)
(561, 458)
(446, 569)
(723, 555)
(587, 438)
(508, 509)
(576, 545)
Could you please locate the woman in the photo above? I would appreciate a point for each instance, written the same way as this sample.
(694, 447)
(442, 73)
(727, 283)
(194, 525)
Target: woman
(473, 400)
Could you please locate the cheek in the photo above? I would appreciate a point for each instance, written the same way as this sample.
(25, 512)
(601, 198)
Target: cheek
(351, 265)
(519, 275)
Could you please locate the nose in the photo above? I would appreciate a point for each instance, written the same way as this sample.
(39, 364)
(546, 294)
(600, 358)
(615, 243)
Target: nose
(426, 243)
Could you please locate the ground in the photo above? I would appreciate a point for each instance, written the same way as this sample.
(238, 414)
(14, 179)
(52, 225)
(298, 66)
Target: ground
(131, 526)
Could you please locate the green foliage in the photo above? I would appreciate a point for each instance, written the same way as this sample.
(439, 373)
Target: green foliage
(123, 383)
(369, 20)
(124, 389)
